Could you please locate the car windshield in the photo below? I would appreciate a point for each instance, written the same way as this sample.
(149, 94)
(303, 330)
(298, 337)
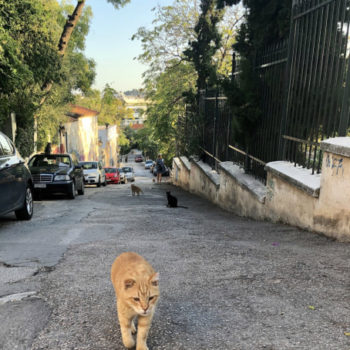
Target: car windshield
(89, 165)
(127, 169)
(149, 161)
(110, 170)
(51, 160)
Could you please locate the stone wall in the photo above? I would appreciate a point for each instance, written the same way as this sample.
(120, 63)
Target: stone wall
(292, 195)
(182, 171)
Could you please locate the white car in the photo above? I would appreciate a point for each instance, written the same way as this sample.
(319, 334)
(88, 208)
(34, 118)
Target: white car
(129, 173)
(94, 173)
(122, 177)
(148, 164)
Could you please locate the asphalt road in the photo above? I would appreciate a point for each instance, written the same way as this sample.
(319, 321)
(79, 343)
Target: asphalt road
(226, 282)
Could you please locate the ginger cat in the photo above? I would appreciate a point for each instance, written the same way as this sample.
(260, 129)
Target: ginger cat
(137, 291)
(135, 189)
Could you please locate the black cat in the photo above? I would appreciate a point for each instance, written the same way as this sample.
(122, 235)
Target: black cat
(172, 201)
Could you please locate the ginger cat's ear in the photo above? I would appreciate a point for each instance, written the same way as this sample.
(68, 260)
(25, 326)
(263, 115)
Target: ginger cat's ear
(129, 283)
(155, 279)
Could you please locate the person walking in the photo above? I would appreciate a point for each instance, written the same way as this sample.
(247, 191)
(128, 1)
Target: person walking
(160, 168)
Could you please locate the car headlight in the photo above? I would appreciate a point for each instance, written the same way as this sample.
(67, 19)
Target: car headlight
(62, 178)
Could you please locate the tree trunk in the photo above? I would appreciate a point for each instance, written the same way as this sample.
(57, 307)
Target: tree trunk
(64, 40)
(62, 46)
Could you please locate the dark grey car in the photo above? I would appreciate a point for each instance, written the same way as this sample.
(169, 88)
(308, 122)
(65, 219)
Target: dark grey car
(56, 173)
(16, 185)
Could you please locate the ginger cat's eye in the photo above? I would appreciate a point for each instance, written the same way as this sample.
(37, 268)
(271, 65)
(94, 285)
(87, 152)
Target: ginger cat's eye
(150, 298)
(137, 299)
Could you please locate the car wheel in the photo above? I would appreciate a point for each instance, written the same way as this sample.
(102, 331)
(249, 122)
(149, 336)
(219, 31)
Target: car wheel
(82, 190)
(26, 212)
(105, 183)
(71, 194)
(99, 182)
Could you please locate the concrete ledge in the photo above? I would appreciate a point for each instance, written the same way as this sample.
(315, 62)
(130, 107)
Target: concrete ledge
(212, 175)
(246, 181)
(337, 145)
(185, 162)
(298, 176)
(177, 162)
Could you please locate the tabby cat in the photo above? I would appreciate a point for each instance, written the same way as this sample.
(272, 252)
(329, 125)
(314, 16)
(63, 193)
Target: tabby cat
(135, 189)
(137, 291)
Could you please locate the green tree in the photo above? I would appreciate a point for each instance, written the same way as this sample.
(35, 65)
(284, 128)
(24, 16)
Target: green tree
(28, 58)
(145, 141)
(76, 74)
(170, 81)
(169, 75)
(207, 43)
(163, 45)
(265, 23)
(112, 110)
(168, 105)
(40, 49)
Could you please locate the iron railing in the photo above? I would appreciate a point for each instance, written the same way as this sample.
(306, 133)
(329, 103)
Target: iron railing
(304, 94)
(317, 102)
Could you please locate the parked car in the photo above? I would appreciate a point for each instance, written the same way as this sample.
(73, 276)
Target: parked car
(138, 158)
(166, 172)
(56, 173)
(148, 163)
(112, 175)
(122, 176)
(94, 173)
(16, 184)
(129, 173)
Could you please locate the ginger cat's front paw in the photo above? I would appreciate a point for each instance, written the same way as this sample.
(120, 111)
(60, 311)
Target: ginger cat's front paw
(128, 342)
(142, 347)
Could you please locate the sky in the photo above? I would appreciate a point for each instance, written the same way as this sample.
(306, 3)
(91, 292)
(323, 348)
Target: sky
(109, 42)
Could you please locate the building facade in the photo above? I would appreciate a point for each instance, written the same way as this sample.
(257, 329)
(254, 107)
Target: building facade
(108, 145)
(80, 134)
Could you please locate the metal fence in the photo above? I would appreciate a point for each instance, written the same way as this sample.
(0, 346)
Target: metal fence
(317, 102)
(304, 92)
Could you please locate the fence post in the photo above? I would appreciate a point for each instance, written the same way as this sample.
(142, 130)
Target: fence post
(344, 114)
(246, 161)
(228, 133)
(214, 132)
(287, 93)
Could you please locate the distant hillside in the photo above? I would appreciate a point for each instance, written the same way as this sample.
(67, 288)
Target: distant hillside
(134, 93)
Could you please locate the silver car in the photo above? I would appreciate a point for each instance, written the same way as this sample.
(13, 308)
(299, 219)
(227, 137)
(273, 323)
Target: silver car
(148, 164)
(129, 173)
